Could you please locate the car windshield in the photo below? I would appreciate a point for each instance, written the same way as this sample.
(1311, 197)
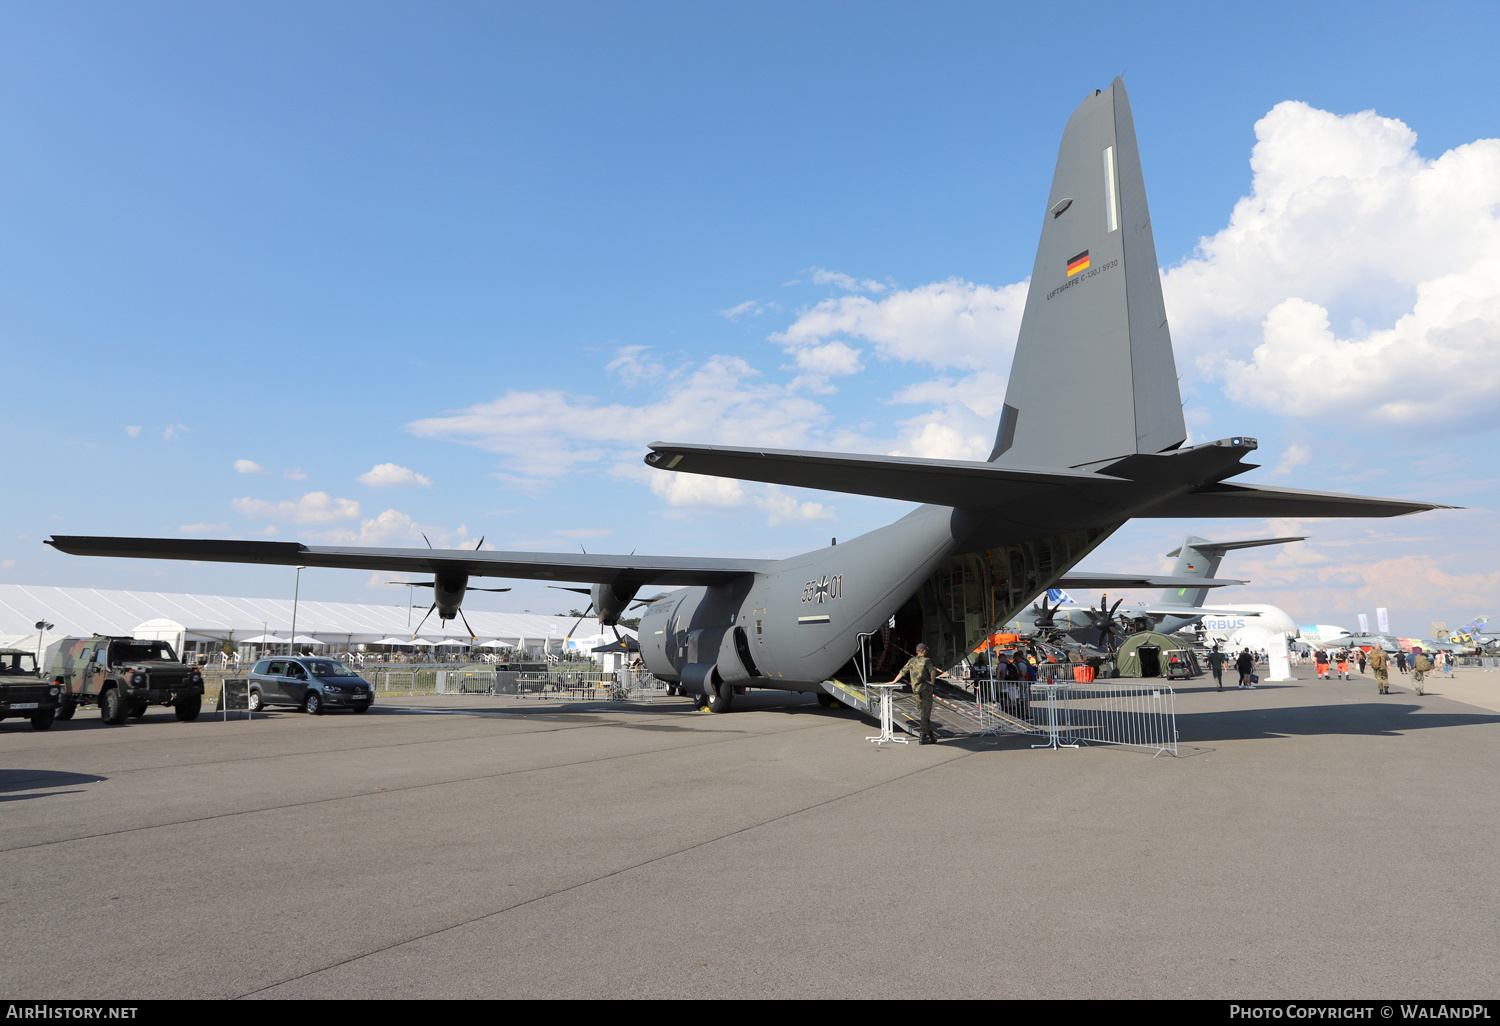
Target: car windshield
(328, 668)
(17, 662)
(143, 652)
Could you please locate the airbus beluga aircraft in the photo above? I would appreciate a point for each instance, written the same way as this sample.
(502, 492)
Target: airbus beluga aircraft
(989, 536)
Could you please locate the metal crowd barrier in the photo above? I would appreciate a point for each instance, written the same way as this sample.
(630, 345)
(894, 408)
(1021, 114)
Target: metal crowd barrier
(1069, 714)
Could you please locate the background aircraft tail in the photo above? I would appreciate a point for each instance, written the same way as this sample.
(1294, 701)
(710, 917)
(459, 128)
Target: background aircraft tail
(1095, 328)
(1199, 557)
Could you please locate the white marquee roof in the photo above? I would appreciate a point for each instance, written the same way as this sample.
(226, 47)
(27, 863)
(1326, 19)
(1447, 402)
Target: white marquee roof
(84, 611)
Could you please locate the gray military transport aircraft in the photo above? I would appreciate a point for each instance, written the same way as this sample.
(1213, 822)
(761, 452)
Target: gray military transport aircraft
(989, 537)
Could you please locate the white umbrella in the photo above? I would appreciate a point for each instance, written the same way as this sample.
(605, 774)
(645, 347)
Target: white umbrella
(303, 639)
(451, 641)
(264, 639)
(393, 641)
(497, 643)
(420, 641)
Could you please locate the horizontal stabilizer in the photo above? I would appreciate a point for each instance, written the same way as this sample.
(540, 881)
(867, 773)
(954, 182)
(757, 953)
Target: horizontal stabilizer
(1219, 548)
(1083, 580)
(1232, 500)
(959, 483)
(541, 566)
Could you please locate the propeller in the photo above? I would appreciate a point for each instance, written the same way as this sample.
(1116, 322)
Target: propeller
(457, 588)
(1046, 616)
(587, 609)
(1103, 620)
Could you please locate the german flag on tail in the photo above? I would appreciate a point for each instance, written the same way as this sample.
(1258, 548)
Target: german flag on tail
(1078, 263)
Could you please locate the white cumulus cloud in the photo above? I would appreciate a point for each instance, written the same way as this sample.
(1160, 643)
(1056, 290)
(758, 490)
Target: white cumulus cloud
(1357, 280)
(390, 475)
(249, 467)
(544, 434)
(951, 323)
(312, 508)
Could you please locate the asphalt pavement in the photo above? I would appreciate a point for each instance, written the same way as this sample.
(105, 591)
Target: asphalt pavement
(1311, 840)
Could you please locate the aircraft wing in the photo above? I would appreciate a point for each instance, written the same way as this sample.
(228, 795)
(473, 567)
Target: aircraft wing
(1084, 580)
(542, 566)
(1197, 611)
(1248, 500)
(960, 483)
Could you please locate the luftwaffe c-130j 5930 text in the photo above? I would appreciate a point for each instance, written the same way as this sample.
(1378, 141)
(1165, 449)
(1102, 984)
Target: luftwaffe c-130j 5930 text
(990, 536)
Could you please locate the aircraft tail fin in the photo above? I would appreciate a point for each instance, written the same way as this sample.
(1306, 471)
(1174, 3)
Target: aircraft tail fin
(1095, 326)
(1199, 557)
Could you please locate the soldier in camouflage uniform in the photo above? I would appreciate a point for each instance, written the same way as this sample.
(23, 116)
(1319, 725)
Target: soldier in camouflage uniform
(1421, 666)
(922, 674)
(1381, 670)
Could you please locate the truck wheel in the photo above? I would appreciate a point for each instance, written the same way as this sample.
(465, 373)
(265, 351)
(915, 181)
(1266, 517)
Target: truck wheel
(314, 704)
(137, 710)
(112, 707)
(188, 707)
(66, 707)
(256, 702)
(42, 718)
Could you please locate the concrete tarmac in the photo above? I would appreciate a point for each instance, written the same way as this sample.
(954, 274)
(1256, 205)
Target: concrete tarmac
(1314, 840)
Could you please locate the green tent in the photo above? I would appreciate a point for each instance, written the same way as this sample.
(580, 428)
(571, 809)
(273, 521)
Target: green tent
(1128, 658)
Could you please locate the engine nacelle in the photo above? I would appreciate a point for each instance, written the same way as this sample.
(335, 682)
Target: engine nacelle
(611, 601)
(448, 592)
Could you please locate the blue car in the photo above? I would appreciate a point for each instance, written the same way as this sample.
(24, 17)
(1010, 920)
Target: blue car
(310, 683)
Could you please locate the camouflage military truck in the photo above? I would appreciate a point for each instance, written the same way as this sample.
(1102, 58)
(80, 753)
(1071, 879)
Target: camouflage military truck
(123, 676)
(22, 692)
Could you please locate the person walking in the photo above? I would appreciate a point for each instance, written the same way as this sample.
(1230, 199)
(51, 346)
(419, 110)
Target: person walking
(1378, 666)
(1448, 665)
(1361, 661)
(922, 675)
(1245, 663)
(1401, 661)
(1419, 669)
(1343, 664)
(1216, 661)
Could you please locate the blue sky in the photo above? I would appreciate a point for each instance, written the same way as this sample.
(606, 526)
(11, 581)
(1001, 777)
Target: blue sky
(478, 255)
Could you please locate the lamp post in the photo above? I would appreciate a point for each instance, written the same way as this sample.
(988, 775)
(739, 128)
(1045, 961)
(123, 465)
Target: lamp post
(296, 589)
(42, 627)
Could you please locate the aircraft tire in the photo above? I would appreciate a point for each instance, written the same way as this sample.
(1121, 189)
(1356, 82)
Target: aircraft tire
(721, 698)
(828, 701)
